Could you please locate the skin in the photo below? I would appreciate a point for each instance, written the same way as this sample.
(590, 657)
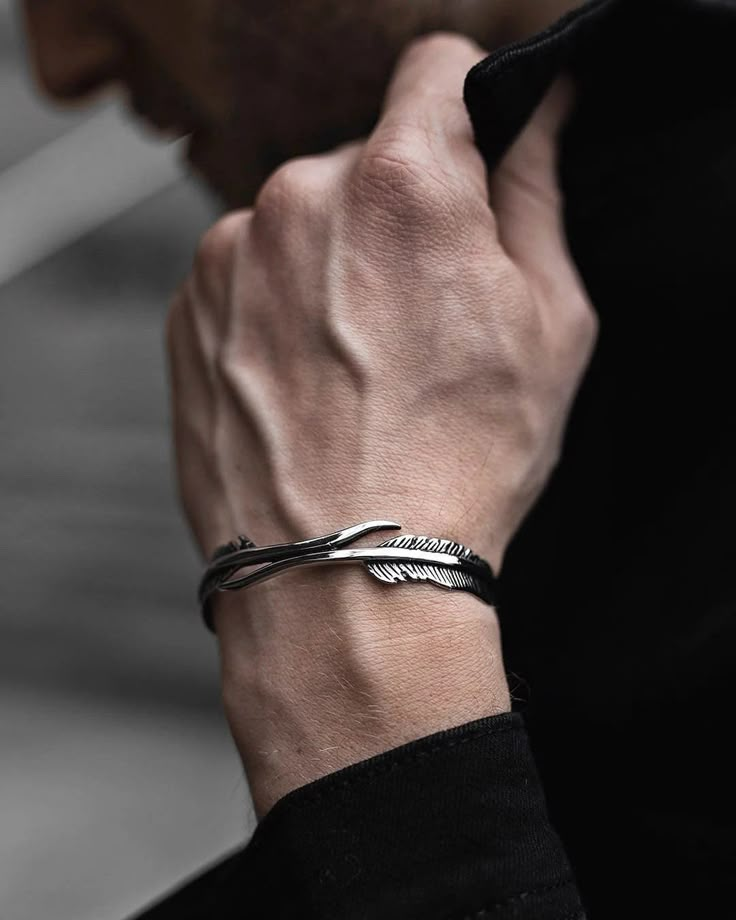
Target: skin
(239, 76)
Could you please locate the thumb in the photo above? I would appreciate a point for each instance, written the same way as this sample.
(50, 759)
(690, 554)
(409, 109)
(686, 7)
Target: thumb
(524, 190)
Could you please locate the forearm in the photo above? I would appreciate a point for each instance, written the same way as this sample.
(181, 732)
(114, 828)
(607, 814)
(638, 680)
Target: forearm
(322, 669)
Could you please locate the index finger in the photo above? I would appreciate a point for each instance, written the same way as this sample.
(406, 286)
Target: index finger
(425, 97)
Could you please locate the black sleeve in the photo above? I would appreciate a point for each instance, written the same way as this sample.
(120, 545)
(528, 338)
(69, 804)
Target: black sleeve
(453, 827)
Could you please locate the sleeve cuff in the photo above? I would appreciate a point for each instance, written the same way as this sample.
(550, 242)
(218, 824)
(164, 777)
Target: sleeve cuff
(453, 825)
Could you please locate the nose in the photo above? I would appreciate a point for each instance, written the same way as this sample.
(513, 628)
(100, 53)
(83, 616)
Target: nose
(75, 51)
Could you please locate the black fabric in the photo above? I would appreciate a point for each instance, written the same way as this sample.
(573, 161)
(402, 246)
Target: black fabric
(355, 845)
(626, 633)
(618, 595)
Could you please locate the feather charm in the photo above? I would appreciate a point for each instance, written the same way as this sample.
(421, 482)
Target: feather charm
(477, 577)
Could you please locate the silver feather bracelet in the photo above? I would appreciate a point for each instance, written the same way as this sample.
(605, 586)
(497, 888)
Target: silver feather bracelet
(401, 559)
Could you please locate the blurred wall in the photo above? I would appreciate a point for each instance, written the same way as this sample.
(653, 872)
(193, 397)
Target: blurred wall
(117, 776)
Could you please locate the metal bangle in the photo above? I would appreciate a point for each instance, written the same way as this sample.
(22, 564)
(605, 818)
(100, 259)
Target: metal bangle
(404, 558)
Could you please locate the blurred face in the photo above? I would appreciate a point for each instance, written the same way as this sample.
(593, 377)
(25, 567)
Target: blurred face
(254, 82)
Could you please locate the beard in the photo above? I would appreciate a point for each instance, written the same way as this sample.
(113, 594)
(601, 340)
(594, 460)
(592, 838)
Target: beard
(305, 77)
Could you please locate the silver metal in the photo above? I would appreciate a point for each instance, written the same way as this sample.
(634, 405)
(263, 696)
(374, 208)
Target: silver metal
(253, 554)
(401, 559)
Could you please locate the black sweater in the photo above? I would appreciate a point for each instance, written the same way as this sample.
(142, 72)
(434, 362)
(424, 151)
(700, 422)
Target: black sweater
(618, 601)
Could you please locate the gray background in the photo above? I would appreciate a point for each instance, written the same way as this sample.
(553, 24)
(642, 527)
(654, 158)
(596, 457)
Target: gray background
(117, 775)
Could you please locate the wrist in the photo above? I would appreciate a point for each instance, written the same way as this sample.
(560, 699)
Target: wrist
(324, 668)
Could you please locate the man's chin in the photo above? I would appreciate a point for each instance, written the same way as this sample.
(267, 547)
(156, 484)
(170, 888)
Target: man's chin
(229, 169)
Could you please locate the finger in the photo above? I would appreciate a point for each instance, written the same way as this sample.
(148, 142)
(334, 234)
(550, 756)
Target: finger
(425, 99)
(525, 190)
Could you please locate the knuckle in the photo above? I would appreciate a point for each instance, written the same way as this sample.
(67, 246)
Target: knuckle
(217, 246)
(389, 168)
(397, 176)
(294, 185)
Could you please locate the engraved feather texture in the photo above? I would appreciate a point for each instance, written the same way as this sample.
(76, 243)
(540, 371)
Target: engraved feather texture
(405, 558)
(444, 577)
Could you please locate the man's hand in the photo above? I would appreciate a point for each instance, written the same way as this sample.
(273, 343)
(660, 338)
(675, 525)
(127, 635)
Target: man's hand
(382, 336)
